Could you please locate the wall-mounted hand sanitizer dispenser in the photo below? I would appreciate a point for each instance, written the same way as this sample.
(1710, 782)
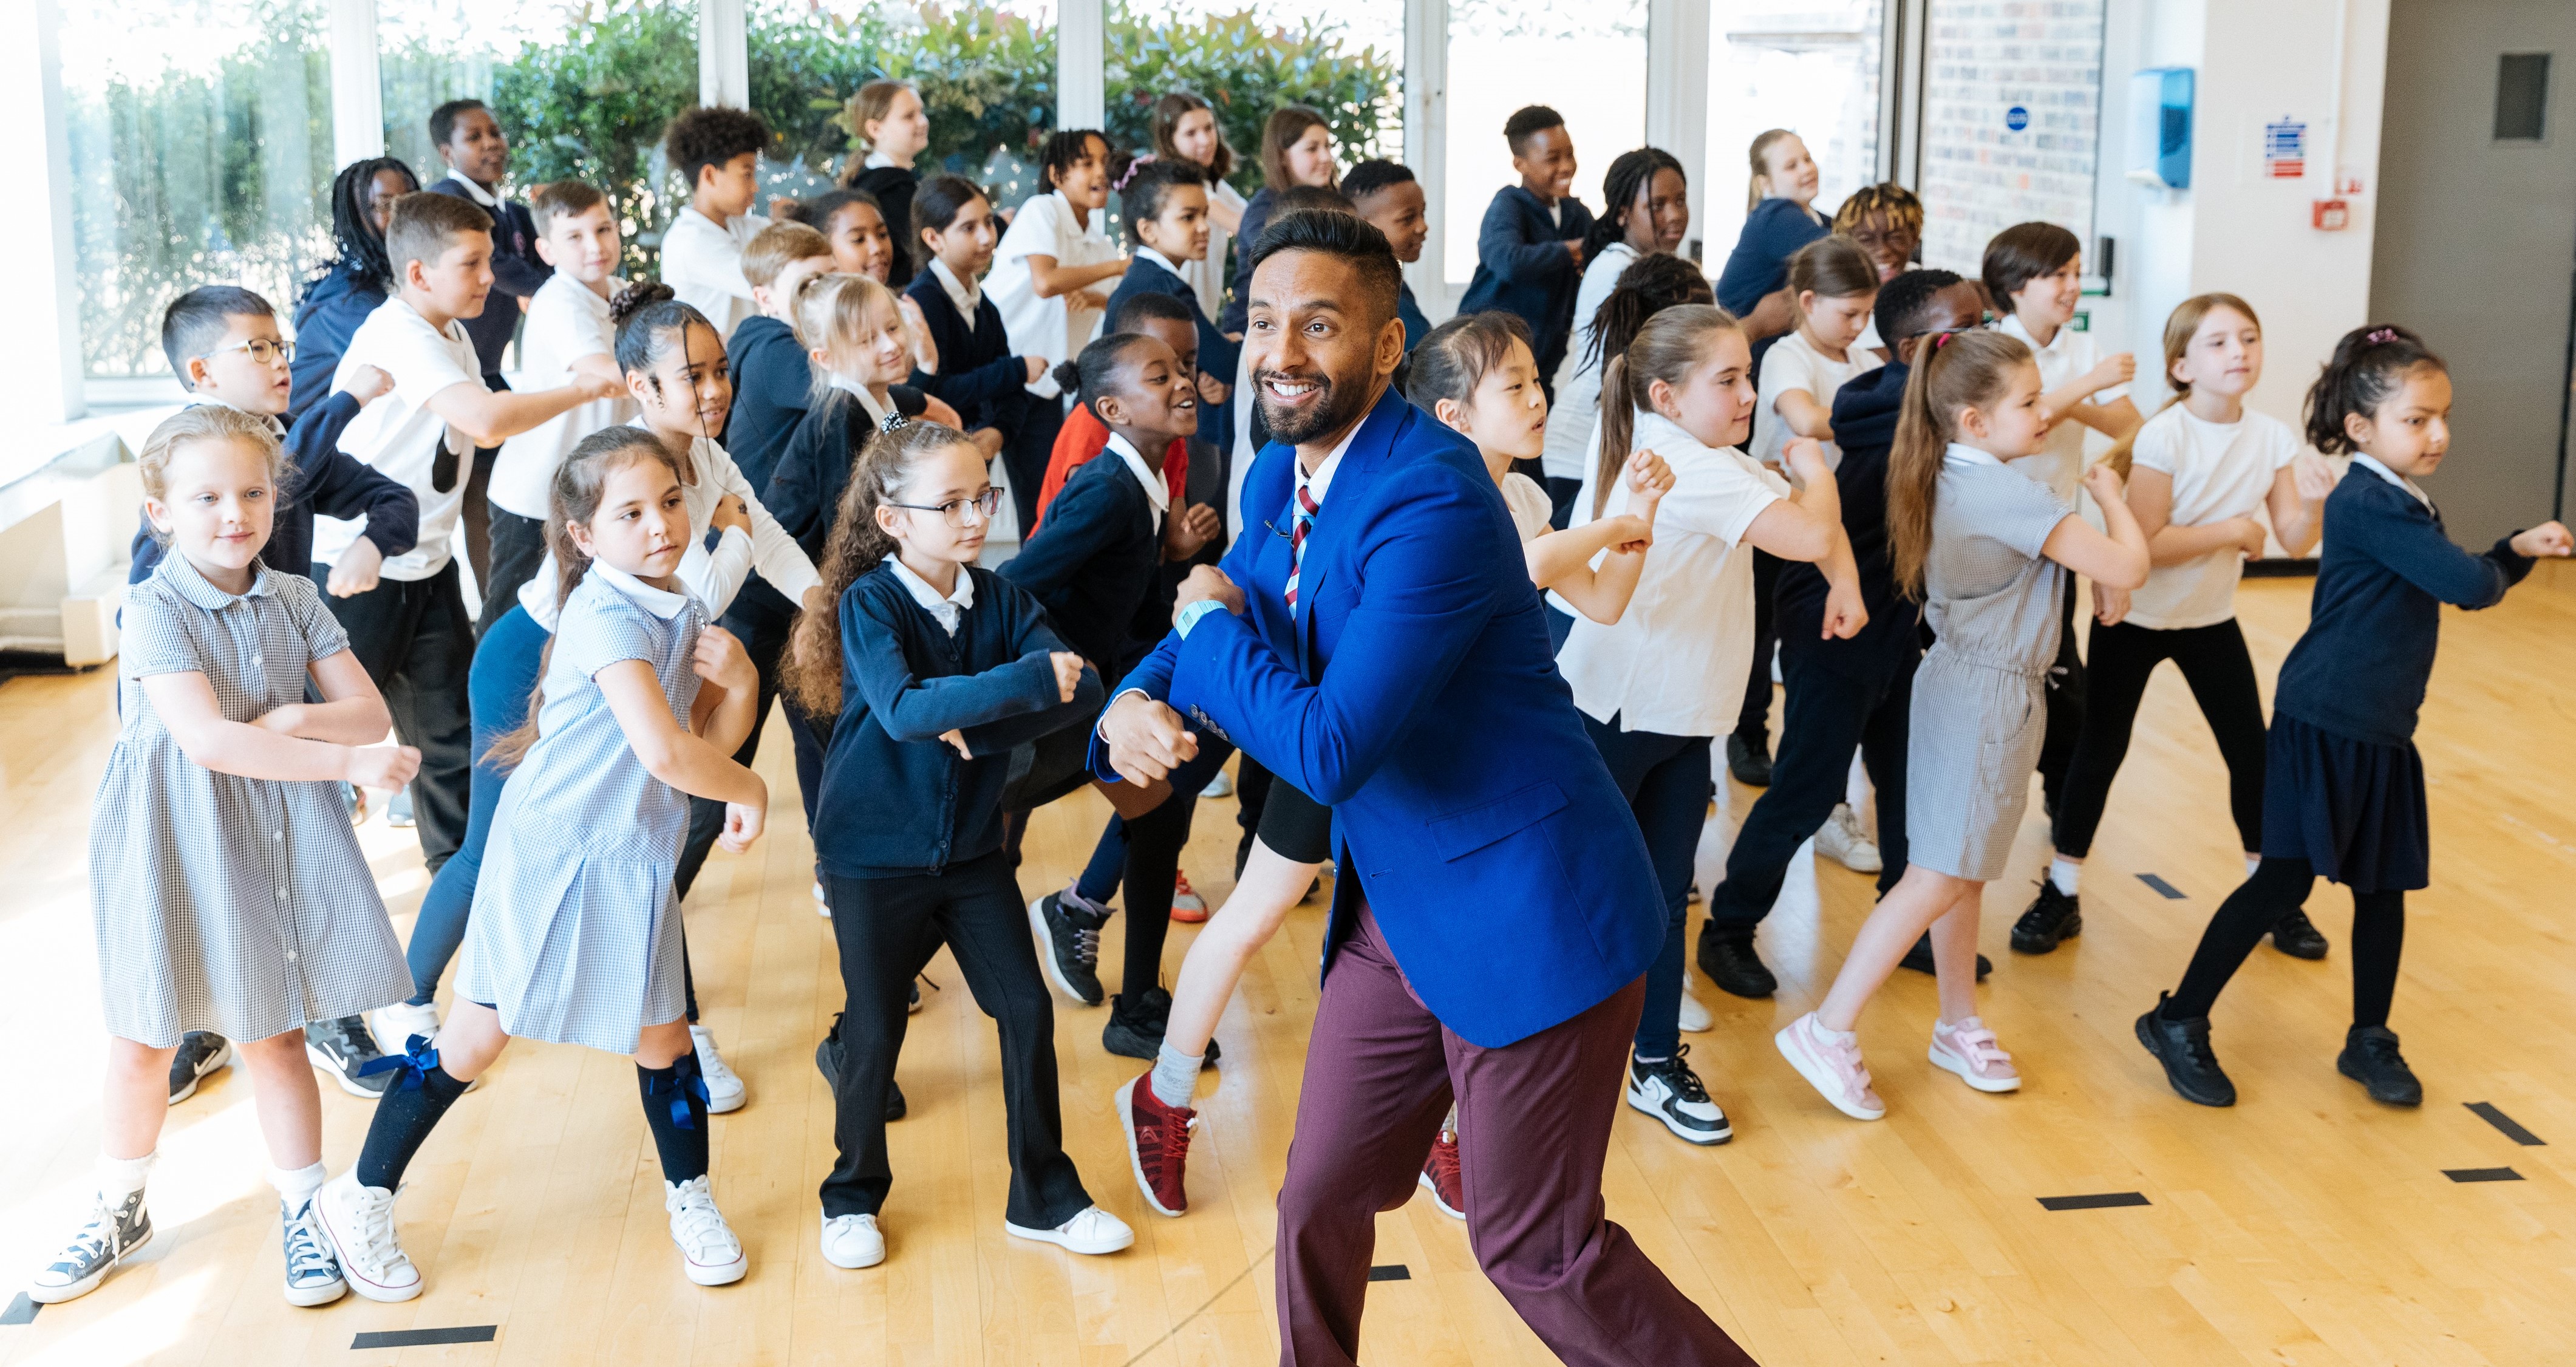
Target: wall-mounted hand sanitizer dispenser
(2160, 127)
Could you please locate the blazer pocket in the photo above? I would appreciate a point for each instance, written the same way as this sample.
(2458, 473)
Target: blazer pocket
(1459, 834)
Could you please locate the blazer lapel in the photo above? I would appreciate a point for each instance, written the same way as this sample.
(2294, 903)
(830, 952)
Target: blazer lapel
(1361, 464)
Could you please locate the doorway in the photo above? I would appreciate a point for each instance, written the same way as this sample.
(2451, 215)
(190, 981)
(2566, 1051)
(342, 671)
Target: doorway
(2476, 244)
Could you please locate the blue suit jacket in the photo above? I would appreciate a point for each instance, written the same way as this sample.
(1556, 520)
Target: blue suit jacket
(1414, 693)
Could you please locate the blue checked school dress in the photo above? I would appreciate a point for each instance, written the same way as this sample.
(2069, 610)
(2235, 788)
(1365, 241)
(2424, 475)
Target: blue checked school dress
(575, 932)
(237, 905)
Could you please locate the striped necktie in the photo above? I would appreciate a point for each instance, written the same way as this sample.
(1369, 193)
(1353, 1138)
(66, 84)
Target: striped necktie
(1302, 523)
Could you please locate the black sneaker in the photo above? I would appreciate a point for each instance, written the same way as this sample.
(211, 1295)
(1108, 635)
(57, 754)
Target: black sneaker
(2182, 1046)
(1749, 759)
(343, 1048)
(2053, 917)
(1136, 1026)
(1069, 946)
(2298, 937)
(1919, 959)
(827, 1060)
(111, 1233)
(2370, 1058)
(1728, 958)
(1671, 1092)
(200, 1052)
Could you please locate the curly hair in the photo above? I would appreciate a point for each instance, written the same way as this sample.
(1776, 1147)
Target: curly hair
(711, 135)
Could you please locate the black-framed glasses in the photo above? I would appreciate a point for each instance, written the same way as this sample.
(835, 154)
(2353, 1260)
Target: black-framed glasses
(261, 350)
(953, 512)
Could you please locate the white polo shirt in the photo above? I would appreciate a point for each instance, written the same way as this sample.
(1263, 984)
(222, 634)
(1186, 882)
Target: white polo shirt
(1674, 662)
(400, 437)
(2060, 464)
(1053, 328)
(2219, 470)
(713, 577)
(1794, 363)
(702, 263)
(566, 322)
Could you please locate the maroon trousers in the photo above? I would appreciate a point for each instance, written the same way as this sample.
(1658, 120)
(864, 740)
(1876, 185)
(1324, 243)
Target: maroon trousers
(1533, 1128)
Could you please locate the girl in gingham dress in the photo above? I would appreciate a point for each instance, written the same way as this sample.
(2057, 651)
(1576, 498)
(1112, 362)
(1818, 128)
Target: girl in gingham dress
(575, 930)
(1987, 552)
(227, 888)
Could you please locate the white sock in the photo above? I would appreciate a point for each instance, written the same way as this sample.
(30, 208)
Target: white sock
(1833, 1036)
(119, 1178)
(2252, 862)
(297, 1185)
(2065, 874)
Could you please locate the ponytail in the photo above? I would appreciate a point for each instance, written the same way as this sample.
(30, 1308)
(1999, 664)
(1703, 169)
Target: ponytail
(1952, 371)
(1665, 349)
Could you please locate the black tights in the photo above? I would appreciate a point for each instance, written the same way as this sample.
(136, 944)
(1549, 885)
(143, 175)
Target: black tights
(2119, 660)
(2278, 887)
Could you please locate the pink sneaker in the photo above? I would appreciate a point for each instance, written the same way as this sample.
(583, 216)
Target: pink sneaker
(1831, 1066)
(1969, 1049)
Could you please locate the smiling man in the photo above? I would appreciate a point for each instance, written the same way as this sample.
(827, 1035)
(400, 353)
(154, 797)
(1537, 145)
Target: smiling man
(1384, 652)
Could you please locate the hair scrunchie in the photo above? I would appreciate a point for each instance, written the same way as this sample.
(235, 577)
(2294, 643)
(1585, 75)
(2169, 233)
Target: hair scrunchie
(893, 422)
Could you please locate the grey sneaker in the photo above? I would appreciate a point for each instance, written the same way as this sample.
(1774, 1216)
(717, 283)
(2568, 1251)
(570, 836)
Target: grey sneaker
(342, 1049)
(201, 1052)
(111, 1234)
(1068, 935)
(312, 1266)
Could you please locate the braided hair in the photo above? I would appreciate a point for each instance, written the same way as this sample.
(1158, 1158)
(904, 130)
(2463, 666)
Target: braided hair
(353, 227)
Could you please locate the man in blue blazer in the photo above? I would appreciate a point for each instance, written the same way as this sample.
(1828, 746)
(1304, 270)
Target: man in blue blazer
(1495, 911)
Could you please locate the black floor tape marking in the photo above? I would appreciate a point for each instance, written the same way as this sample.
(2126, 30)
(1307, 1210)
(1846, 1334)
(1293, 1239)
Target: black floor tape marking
(2482, 1174)
(1391, 1272)
(2104, 1201)
(426, 1338)
(2169, 890)
(2486, 1111)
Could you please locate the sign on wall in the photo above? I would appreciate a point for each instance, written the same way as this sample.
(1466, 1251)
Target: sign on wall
(2285, 149)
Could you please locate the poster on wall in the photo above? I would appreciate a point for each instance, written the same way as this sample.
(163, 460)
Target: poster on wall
(2007, 139)
(2285, 149)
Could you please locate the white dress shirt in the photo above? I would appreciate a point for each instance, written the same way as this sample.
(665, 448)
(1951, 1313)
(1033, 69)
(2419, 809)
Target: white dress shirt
(949, 608)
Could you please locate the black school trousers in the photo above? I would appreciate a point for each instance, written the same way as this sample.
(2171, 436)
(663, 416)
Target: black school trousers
(417, 644)
(2214, 662)
(518, 548)
(1753, 722)
(2065, 698)
(885, 926)
(1830, 710)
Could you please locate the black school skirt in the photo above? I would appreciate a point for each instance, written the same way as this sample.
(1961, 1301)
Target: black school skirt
(2352, 809)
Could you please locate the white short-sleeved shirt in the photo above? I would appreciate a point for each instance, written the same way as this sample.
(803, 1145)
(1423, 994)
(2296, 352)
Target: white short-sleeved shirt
(1673, 662)
(1529, 504)
(2060, 464)
(1208, 277)
(567, 321)
(1578, 376)
(1794, 363)
(400, 437)
(712, 577)
(2220, 470)
(702, 263)
(1053, 328)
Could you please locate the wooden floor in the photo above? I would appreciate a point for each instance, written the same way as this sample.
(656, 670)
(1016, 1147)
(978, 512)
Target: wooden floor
(2306, 1226)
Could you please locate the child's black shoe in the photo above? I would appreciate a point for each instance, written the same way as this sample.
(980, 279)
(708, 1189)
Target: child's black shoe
(2370, 1058)
(2297, 936)
(2054, 917)
(2182, 1046)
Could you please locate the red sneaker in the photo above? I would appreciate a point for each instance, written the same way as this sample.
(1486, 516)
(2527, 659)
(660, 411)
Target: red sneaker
(1158, 1144)
(1440, 1176)
(1188, 907)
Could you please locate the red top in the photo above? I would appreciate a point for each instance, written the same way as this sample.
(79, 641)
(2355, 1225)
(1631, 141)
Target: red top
(1084, 436)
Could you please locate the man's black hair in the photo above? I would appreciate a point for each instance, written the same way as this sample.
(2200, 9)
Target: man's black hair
(196, 321)
(442, 120)
(712, 135)
(1339, 233)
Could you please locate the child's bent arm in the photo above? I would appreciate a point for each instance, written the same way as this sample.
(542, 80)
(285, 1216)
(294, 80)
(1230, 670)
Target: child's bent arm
(2120, 559)
(490, 417)
(186, 705)
(2150, 500)
(693, 764)
(2115, 419)
(1562, 561)
(351, 713)
(1805, 416)
(1049, 278)
(1805, 525)
(2296, 521)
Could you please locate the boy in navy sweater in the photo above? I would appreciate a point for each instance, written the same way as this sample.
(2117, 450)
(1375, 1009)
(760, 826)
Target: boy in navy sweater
(1529, 253)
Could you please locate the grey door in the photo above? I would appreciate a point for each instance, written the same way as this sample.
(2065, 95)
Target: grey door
(2476, 245)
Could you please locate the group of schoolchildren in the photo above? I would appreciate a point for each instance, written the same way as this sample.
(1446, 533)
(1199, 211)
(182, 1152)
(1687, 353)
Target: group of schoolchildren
(772, 477)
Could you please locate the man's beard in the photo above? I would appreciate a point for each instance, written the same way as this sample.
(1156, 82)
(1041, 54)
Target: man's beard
(1334, 410)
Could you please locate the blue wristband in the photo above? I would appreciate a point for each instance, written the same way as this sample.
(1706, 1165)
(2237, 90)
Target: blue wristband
(1190, 615)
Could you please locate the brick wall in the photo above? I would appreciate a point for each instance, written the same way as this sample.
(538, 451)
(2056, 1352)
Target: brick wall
(1981, 58)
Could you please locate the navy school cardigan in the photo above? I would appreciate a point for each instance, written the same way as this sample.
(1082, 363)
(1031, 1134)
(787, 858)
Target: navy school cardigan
(1522, 268)
(2376, 615)
(321, 481)
(978, 376)
(896, 801)
(803, 487)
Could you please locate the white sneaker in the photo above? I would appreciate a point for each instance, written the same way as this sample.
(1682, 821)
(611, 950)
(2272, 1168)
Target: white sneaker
(1220, 786)
(853, 1241)
(1695, 1018)
(359, 1222)
(709, 1252)
(396, 1024)
(725, 1091)
(1969, 1049)
(1842, 840)
(1094, 1231)
(1832, 1066)
(822, 904)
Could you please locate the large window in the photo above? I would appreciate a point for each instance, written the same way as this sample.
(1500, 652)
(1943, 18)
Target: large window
(201, 154)
(1585, 60)
(1345, 58)
(1810, 66)
(2011, 122)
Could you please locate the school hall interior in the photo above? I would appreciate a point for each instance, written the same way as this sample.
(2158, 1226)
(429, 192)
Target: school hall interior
(2333, 162)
